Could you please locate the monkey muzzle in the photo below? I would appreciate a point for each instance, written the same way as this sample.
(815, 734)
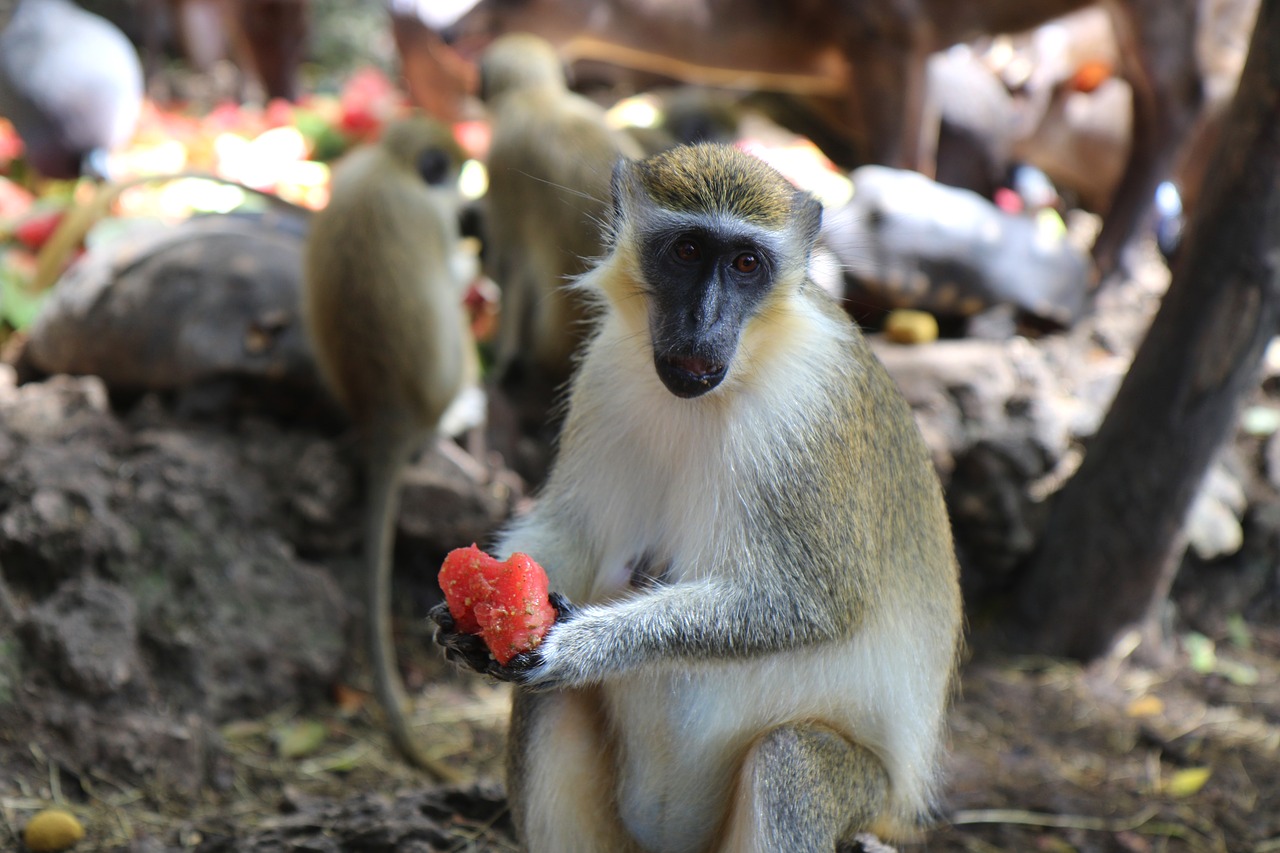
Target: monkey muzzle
(689, 376)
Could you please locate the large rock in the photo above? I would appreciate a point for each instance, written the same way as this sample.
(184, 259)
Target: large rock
(905, 241)
(212, 300)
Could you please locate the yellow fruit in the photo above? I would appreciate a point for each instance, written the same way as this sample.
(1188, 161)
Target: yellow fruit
(905, 326)
(52, 830)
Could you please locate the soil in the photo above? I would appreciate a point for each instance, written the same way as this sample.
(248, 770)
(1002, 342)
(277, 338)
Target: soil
(180, 664)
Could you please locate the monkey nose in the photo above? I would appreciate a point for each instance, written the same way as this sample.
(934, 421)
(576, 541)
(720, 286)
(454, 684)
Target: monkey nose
(689, 376)
(697, 366)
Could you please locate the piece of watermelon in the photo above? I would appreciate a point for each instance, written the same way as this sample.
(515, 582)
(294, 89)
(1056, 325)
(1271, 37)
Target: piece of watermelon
(506, 603)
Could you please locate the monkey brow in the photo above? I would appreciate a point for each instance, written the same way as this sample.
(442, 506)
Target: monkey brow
(718, 179)
(662, 223)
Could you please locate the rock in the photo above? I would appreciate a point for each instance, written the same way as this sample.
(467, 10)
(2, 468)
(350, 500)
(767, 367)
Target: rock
(148, 593)
(992, 415)
(211, 301)
(444, 505)
(908, 242)
(1213, 527)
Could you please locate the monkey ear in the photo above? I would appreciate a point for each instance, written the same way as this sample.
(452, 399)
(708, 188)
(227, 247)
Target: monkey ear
(808, 217)
(622, 188)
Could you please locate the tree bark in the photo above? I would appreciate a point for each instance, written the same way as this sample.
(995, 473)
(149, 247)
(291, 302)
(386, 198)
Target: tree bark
(1113, 540)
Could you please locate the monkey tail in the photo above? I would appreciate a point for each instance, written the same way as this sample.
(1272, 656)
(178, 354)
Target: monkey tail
(387, 458)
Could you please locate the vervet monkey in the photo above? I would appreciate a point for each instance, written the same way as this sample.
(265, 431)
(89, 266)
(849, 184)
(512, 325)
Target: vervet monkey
(765, 609)
(383, 302)
(549, 163)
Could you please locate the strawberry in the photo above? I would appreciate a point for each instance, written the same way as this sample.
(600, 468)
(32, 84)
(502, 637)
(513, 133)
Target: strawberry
(505, 603)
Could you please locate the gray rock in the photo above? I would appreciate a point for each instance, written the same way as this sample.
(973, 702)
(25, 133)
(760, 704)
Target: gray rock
(905, 241)
(215, 298)
(1213, 527)
(991, 413)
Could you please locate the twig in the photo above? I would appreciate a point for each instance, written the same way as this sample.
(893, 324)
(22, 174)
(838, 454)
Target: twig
(1024, 818)
(480, 830)
(22, 803)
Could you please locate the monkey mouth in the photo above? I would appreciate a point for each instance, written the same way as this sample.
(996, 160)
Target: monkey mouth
(689, 376)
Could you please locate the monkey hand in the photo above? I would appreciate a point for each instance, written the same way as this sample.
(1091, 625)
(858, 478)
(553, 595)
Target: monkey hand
(465, 650)
(472, 652)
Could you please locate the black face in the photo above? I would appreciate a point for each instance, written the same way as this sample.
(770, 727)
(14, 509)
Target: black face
(703, 288)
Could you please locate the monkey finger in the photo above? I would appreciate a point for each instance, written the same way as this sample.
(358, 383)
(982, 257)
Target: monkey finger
(521, 670)
(564, 608)
(468, 651)
(442, 616)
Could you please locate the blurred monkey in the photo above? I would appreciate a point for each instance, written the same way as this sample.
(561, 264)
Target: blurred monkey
(549, 166)
(383, 304)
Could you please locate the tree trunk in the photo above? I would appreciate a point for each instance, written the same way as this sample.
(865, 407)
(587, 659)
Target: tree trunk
(1113, 540)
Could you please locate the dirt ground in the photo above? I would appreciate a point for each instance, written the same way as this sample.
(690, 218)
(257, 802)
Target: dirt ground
(1045, 756)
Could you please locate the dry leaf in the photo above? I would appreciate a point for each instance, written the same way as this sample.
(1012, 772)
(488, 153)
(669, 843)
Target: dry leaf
(1145, 706)
(1187, 782)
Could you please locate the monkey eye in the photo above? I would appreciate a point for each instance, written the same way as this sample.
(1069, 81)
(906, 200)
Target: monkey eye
(687, 250)
(433, 166)
(747, 262)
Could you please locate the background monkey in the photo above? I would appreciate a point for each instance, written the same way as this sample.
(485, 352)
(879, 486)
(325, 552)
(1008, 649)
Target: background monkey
(383, 305)
(549, 165)
(746, 517)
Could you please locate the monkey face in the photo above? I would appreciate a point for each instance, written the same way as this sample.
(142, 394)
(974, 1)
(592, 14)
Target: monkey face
(704, 283)
(712, 235)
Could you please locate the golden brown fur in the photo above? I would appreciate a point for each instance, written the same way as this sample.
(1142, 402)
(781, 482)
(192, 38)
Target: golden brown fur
(549, 166)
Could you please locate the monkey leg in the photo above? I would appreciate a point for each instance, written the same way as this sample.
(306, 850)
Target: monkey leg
(803, 789)
(560, 776)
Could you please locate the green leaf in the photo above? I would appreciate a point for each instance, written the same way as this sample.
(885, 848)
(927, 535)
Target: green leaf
(1238, 632)
(1184, 783)
(18, 306)
(1201, 652)
(1239, 674)
(301, 738)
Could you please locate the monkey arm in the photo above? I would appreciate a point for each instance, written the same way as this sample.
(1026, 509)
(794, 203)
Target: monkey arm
(704, 620)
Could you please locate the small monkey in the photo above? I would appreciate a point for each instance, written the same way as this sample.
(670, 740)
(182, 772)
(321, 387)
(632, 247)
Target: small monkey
(549, 165)
(382, 300)
(763, 614)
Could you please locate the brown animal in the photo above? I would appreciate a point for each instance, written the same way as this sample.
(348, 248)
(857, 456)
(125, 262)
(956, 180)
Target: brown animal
(549, 167)
(383, 306)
